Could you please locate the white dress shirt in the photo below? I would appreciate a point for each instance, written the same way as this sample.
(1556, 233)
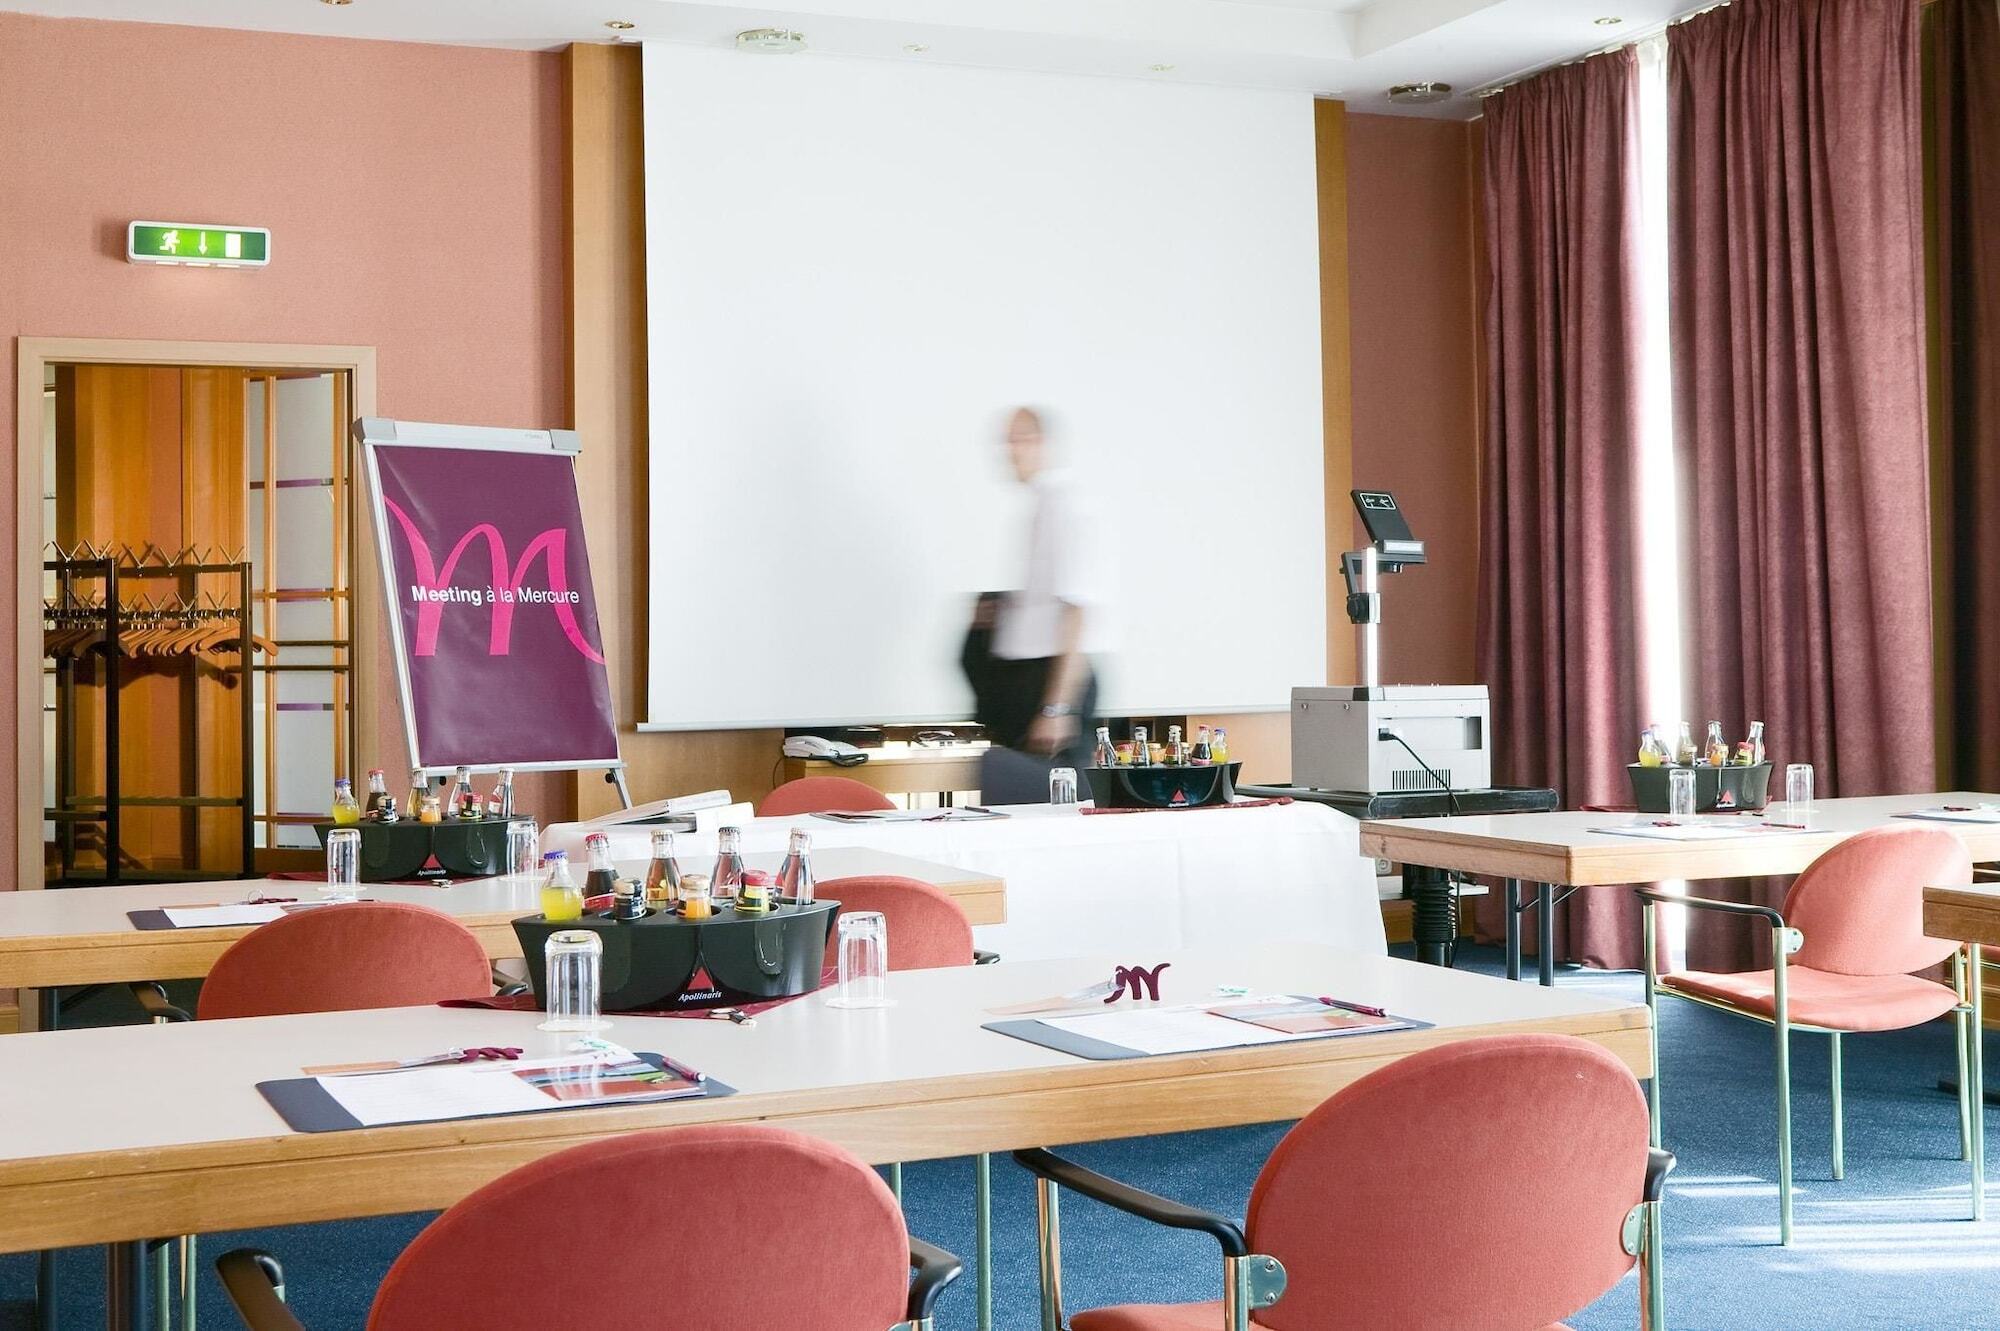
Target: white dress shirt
(1065, 568)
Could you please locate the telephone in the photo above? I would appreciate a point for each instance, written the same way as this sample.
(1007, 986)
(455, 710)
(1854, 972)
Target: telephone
(829, 750)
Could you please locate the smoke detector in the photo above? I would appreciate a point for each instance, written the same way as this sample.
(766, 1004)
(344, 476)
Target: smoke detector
(1417, 94)
(771, 41)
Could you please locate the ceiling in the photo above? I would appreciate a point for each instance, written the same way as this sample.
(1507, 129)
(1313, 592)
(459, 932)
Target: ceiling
(1352, 49)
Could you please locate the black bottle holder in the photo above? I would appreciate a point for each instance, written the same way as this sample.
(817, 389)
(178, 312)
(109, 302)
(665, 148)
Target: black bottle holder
(406, 848)
(1162, 787)
(1715, 788)
(664, 961)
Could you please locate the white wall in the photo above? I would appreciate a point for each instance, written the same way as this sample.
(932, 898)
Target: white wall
(855, 266)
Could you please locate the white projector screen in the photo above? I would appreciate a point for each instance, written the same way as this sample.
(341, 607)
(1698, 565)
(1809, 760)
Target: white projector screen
(855, 267)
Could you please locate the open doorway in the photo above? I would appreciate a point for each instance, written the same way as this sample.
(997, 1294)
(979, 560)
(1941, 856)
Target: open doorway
(197, 680)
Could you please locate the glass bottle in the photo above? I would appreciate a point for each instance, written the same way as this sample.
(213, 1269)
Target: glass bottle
(628, 899)
(378, 792)
(419, 788)
(1218, 749)
(795, 875)
(561, 901)
(429, 810)
(602, 879)
(1142, 753)
(1204, 750)
(728, 874)
(1716, 752)
(464, 799)
(663, 874)
(1174, 754)
(500, 804)
(346, 812)
(695, 901)
(1684, 754)
(1751, 751)
(1107, 752)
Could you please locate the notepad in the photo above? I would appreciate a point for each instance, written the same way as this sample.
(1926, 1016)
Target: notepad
(213, 917)
(1308, 1016)
(1984, 813)
(478, 1090)
(1148, 1030)
(1730, 831)
(963, 814)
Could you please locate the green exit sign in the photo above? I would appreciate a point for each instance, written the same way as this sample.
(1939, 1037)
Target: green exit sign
(198, 244)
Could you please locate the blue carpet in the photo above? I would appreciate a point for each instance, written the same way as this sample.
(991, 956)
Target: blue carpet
(1888, 1247)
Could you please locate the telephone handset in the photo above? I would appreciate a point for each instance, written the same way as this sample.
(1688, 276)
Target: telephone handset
(827, 750)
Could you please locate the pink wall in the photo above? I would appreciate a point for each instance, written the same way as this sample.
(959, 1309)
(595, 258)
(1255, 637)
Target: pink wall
(415, 193)
(1416, 395)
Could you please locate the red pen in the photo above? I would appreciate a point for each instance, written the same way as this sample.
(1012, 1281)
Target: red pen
(1361, 1008)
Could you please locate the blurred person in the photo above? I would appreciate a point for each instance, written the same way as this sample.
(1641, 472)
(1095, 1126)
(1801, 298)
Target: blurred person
(1040, 690)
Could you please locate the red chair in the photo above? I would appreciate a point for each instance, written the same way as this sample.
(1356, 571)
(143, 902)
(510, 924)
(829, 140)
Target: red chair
(822, 794)
(641, 1232)
(1556, 1200)
(1842, 949)
(339, 958)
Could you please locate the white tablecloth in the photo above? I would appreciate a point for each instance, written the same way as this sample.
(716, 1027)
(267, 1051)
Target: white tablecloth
(1127, 885)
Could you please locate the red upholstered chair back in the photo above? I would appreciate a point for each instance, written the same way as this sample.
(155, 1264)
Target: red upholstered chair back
(1359, 1195)
(643, 1231)
(927, 928)
(343, 958)
(1861, 905)
(822, 794)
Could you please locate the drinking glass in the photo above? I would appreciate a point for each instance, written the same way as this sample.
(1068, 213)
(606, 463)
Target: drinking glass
(1680, 792)
(1799, 794)
(1062, 786)
(523, 847)
(864, 961)
(343, 865)
(573, 964)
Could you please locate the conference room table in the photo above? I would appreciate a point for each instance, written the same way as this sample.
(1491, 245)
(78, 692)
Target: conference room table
(80, 1164)
(1563, 852)
(84, 935)
(1081, 882)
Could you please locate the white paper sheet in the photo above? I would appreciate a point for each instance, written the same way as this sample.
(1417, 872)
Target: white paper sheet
(1181, 1029)
(1982, 814)
(455, 1090)
(1730, 831)
(211, 917)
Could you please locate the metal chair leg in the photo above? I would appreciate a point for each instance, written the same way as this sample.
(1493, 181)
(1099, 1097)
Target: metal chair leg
(1961, 1025)
(1649, 928)
(1781, 1028)
(982, 1186)
(1652, 1279)
(896, 1181)
(1839, 1124)
(1976, 1040)
(190, 1281)
(1048, 1224)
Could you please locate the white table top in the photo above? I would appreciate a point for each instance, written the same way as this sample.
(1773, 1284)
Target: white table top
(84, 935)
(1572, 848)
(70, 1092)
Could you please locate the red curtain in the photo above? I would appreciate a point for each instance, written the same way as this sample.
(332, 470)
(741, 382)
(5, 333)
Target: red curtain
(1965, 100)
(1800, 394)
(1561, 513)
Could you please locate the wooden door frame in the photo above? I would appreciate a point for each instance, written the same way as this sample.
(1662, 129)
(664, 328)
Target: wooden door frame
(35, 355)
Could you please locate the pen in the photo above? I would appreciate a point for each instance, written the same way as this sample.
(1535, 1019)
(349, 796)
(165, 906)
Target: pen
(1361, 1008)
(683, 1071)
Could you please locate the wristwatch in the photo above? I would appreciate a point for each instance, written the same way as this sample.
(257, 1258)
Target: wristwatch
(1054, 710)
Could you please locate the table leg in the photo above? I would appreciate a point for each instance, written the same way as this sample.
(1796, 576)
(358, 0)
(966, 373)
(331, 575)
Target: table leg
(1433, 922)
(126, 1293)
(1513, 925)
(48, 1309)
(1545, 931)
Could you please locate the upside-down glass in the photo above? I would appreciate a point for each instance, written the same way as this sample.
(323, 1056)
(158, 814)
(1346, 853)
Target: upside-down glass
(863, 961)
(343, 865)
(1062, 786)
(573, 970)
(1799, 794)
(1680, 792)
(523, 847)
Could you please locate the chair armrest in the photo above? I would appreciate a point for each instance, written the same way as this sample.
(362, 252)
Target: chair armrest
(152, 996)
(980, 958)
(1777, 921)
(935, 1268)
(1134, 1201)
(1659, 1164)
(255, 1283)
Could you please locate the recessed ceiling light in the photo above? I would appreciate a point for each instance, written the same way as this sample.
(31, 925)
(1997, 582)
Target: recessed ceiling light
(1161, 69)
(1608, 21)
(916, 48)
(620, 24)
(1416, 94)
(771, 41)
